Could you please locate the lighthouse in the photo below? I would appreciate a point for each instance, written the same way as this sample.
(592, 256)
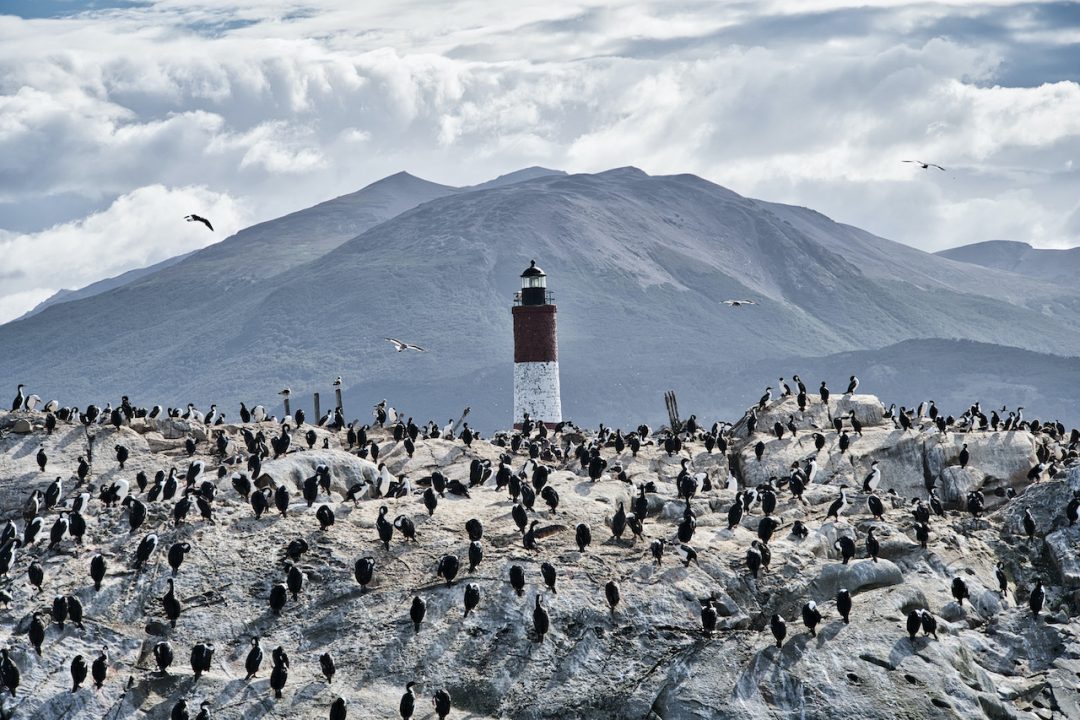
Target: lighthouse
(536, 351)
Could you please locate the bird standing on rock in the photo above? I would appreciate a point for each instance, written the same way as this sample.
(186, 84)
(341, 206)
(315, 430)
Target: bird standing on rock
(779, 629)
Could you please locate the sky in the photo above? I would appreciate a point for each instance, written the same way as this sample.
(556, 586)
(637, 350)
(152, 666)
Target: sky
(117, 118)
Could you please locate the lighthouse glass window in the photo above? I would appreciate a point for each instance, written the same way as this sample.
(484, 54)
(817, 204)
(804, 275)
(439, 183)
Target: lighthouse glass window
(536, 281)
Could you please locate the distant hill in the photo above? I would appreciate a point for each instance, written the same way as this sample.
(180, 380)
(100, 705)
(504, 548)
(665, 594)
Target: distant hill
(639, 266)
(101, 286)
(953, 373)
(1021, 258)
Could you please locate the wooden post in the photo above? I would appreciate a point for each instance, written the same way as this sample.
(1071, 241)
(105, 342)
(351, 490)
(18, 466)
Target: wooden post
(318, 414)
(337, 392)
(287, 410)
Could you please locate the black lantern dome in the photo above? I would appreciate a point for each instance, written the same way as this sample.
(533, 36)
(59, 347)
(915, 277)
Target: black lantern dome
(534, 286)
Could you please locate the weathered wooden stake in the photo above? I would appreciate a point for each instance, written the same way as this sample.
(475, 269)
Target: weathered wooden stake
(287, 410)
(317, 413)
(337, 392)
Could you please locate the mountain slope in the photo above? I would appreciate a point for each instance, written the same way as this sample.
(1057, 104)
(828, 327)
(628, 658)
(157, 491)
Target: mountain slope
(62, 296)
(1017, 257)
(639, 266)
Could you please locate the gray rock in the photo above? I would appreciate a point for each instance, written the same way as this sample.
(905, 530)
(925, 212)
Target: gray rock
(1062, 545)
(867, 409)
(649, 659)
(177, 428)
(857, 576)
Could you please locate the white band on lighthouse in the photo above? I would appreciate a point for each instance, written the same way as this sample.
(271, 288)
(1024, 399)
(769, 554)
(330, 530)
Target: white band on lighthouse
(536, 391)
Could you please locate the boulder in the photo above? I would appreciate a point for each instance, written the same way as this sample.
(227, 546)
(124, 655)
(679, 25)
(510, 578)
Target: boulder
(177, 428)
(867, 409)
(345, 468)
(955, 483)
(22, 426)
(856, 576)
(1062, 545)
(1001, 457)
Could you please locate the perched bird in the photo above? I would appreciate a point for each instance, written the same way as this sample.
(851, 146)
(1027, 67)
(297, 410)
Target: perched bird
(163, 656)
(408, 702)
(326, 664)
(811, 616)
(472, 597)
(1036, 599)
(78, 672)
(517, 579)
(100, 668)
(441, 703)
(611, 592)
(541, 621)
(708, 616)
(914, 623)
(843, 605)
(1029, 524)
(417, 612)
(960, 590)
(254, 659)
(779, 629)
(1003, 582)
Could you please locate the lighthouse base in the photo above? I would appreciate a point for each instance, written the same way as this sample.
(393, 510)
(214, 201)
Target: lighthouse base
(536, 391)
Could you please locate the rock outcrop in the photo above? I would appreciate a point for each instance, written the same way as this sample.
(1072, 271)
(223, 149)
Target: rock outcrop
(647, 658)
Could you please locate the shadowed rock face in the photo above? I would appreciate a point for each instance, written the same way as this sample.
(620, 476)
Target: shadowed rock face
(647, 659)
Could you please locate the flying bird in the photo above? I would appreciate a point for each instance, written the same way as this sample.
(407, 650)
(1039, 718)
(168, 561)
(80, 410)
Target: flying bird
(399, 346)
(199, 218)
(739, 303)
(924, 165)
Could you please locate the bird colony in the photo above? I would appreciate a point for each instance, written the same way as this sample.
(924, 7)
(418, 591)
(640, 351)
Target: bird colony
(821, 557)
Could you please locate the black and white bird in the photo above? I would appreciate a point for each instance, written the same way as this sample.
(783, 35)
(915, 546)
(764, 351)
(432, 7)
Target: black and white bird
(872, 479)
(401, 346)
(199, 218)
(739, 303)
(838, 505)
(924, 165)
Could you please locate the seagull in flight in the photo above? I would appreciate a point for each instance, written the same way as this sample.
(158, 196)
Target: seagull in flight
(739, 303)
(199, 218)
(924, 165)
(399, 346)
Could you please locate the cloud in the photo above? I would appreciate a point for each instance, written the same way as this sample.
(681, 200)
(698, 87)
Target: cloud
(277, 107)
(140, 228)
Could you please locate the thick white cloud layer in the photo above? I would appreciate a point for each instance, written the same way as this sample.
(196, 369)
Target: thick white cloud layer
(139, 228)
(248, 109)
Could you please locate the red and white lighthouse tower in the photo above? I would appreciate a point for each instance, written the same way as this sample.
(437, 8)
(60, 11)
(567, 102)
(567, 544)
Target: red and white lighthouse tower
(536, 351)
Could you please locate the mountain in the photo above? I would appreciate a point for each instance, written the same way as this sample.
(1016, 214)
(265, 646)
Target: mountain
(529, 173)
(105, 285)
(954, 373)
(1053, 265)
(639, 267)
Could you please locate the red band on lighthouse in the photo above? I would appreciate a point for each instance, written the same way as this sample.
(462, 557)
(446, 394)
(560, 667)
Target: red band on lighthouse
(534, 334)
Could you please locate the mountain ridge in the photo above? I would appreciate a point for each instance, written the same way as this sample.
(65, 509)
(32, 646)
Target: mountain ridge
(1046, 264)
(639, 266)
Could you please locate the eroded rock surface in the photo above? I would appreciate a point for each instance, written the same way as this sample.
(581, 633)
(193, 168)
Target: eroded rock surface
(647, 659)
